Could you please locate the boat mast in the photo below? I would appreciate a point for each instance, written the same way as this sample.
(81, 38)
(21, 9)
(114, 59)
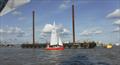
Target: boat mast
(73, 20)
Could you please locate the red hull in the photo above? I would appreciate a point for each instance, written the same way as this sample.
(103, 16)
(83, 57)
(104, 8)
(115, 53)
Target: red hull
(55, 48)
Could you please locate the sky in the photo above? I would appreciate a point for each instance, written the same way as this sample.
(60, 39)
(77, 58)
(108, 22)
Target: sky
(95, 20)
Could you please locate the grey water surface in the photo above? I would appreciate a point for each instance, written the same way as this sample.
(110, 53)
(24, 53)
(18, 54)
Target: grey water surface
(96, 56)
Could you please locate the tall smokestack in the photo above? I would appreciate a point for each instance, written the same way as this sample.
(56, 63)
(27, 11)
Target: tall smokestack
(33, 27)
(119, 35)
(73, 20)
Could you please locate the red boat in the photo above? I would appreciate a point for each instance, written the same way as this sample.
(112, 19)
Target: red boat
(55, 42)
(55, 48)
(60, 48)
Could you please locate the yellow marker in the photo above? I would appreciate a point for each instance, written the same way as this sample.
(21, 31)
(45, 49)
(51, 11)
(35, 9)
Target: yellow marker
(109, 46)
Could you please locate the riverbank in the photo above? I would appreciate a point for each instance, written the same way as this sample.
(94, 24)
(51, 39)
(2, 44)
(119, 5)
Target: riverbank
(66, 45)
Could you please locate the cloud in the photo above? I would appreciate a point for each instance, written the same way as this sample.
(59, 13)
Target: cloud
(98, 31)
(116, 29)
(64, 5)
(48, 28)
(42, 34)
(16, 13)
(19, 14)
(65, 31)
(86, 33)
(1, 31)
(12, 31)
(114, 14)
(117, 22)
(21, 18)
(91, 32)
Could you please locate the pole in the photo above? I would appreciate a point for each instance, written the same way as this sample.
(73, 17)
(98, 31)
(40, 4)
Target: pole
(119, 35)
(73, 24)
(33, 27)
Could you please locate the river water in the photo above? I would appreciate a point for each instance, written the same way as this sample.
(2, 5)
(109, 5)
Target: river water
(96, 56)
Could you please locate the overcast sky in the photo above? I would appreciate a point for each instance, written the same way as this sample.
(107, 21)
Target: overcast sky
(94, 20)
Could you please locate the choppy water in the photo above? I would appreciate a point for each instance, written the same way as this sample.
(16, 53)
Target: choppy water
(96, 56)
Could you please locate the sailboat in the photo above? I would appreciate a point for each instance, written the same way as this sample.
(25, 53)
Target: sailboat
(55, 42)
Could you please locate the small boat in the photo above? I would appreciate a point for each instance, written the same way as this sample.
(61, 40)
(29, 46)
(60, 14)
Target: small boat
(108, 46)
(55, 42)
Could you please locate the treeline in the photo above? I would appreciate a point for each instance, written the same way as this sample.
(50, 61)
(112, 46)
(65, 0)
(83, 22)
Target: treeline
(66, 45)
(6, 45)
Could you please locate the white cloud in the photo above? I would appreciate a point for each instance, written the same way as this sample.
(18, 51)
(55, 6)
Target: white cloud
(91, 32)
(19, 15)
(114, 14)
(43, 34)
(21, 18)
(16, 13)
(98, 31)
(117, 22)
(64, 5)
(116, 29)
(11, 31)
(1, 30)
(14, 30)
(48, 28)
(65, 31)
(86, 33)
